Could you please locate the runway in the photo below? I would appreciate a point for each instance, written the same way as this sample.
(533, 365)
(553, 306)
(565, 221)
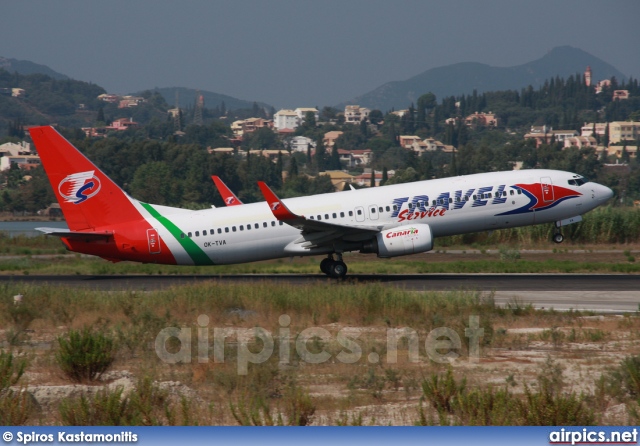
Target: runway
(597, 292)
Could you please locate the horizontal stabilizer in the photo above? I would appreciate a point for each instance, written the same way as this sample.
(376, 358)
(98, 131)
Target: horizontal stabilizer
(57, 232)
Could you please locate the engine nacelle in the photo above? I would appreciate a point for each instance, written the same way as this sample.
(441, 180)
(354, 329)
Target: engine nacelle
(404, 240)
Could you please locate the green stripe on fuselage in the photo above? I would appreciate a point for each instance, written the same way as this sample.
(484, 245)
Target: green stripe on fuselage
(195, 252)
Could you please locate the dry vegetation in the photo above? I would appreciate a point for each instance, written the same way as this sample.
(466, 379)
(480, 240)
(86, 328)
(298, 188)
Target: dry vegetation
(566, 367)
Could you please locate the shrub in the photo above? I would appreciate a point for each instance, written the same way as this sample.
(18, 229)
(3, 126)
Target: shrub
(624, 381)
(84, 355)
(146, 405)
(15, 407)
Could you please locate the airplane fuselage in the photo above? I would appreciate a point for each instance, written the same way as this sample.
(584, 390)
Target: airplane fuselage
(250, 232)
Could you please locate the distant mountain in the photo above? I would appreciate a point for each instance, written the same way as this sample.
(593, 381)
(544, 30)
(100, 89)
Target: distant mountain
(27, 67)
(211, 100)
(463, 78)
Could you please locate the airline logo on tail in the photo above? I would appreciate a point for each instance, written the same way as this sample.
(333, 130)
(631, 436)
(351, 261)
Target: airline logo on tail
(79, 187)
(229, 200)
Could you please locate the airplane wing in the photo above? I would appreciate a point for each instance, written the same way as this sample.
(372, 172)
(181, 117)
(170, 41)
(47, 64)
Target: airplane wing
(229, 197)
(57, 232)
(315, 233)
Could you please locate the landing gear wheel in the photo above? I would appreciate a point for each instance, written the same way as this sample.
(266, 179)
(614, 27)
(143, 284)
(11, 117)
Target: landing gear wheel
(558, 237)
(338, 269)
(326, 264)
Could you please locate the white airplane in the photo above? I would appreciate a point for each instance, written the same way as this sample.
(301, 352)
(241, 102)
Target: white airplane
(388, 221)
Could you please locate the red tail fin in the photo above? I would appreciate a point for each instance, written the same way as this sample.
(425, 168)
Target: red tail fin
(229, 197)
(88, 198)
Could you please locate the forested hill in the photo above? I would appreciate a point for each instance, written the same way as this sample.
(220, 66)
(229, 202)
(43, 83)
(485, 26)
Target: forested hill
(187, 96)
(28, 67)
(47, 100)
(464, 78)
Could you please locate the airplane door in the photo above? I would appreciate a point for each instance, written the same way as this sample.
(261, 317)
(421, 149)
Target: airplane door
(359, 213)
(154, 241)
(373, 212)
(547, 190)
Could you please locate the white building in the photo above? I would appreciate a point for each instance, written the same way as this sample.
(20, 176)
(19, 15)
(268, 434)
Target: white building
(13, 149)
(354, 114)
(25, 162)
(285, 119)
(302, 113)
(301, 144)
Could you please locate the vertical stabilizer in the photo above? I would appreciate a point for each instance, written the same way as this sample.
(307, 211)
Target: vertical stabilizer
(88, 198)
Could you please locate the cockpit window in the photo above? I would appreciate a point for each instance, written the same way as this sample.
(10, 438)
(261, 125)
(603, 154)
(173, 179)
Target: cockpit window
(578, 181)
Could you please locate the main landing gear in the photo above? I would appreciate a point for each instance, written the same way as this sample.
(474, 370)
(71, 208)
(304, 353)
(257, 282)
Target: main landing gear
(334, 268)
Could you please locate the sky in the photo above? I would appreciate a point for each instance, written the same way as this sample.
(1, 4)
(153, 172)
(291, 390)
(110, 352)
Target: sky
(303, 53)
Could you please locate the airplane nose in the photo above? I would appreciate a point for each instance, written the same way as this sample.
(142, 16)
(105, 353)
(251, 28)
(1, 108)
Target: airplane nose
(603, 193)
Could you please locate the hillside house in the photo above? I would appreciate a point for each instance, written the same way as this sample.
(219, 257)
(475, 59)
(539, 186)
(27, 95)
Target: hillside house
(481, 120)
(354, 114)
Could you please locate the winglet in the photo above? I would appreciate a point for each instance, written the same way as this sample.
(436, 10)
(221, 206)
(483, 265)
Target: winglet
(279, 209)
(229, 197)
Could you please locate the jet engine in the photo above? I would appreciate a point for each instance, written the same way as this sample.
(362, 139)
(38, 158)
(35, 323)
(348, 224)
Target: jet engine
(401, 241)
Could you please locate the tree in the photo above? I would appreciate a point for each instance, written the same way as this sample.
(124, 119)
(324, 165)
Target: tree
(385, 176)
(372, 181)
(321, 155)
(375, 117)
(334, 161)
(426, 103)
(293, 168)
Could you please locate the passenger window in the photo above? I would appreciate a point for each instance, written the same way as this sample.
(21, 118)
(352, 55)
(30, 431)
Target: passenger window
(257, 226)
(395, 207)
(264, 224)
(204, 232)
(189, 234)
(475, 197)
(182, 235)
(519, 191)
(219, 230)
(226, 229)
(341, 214)
(387, 208)
(410, 205)
(433, 203)
(319, 217)
(242, 227)
(273, 223)
(450, 200)
(373, 210)
(466, 198)
(350, 213)
(504, 193)
(457, 199)
(380, 209)
(359, 212)
(511, 192)
(281, 223)
(326, 216)
(334, 215)
(248, 227)
(233, 228)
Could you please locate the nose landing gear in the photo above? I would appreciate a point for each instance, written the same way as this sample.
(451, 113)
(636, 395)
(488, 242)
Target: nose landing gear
(558, 237)
(336, 269)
